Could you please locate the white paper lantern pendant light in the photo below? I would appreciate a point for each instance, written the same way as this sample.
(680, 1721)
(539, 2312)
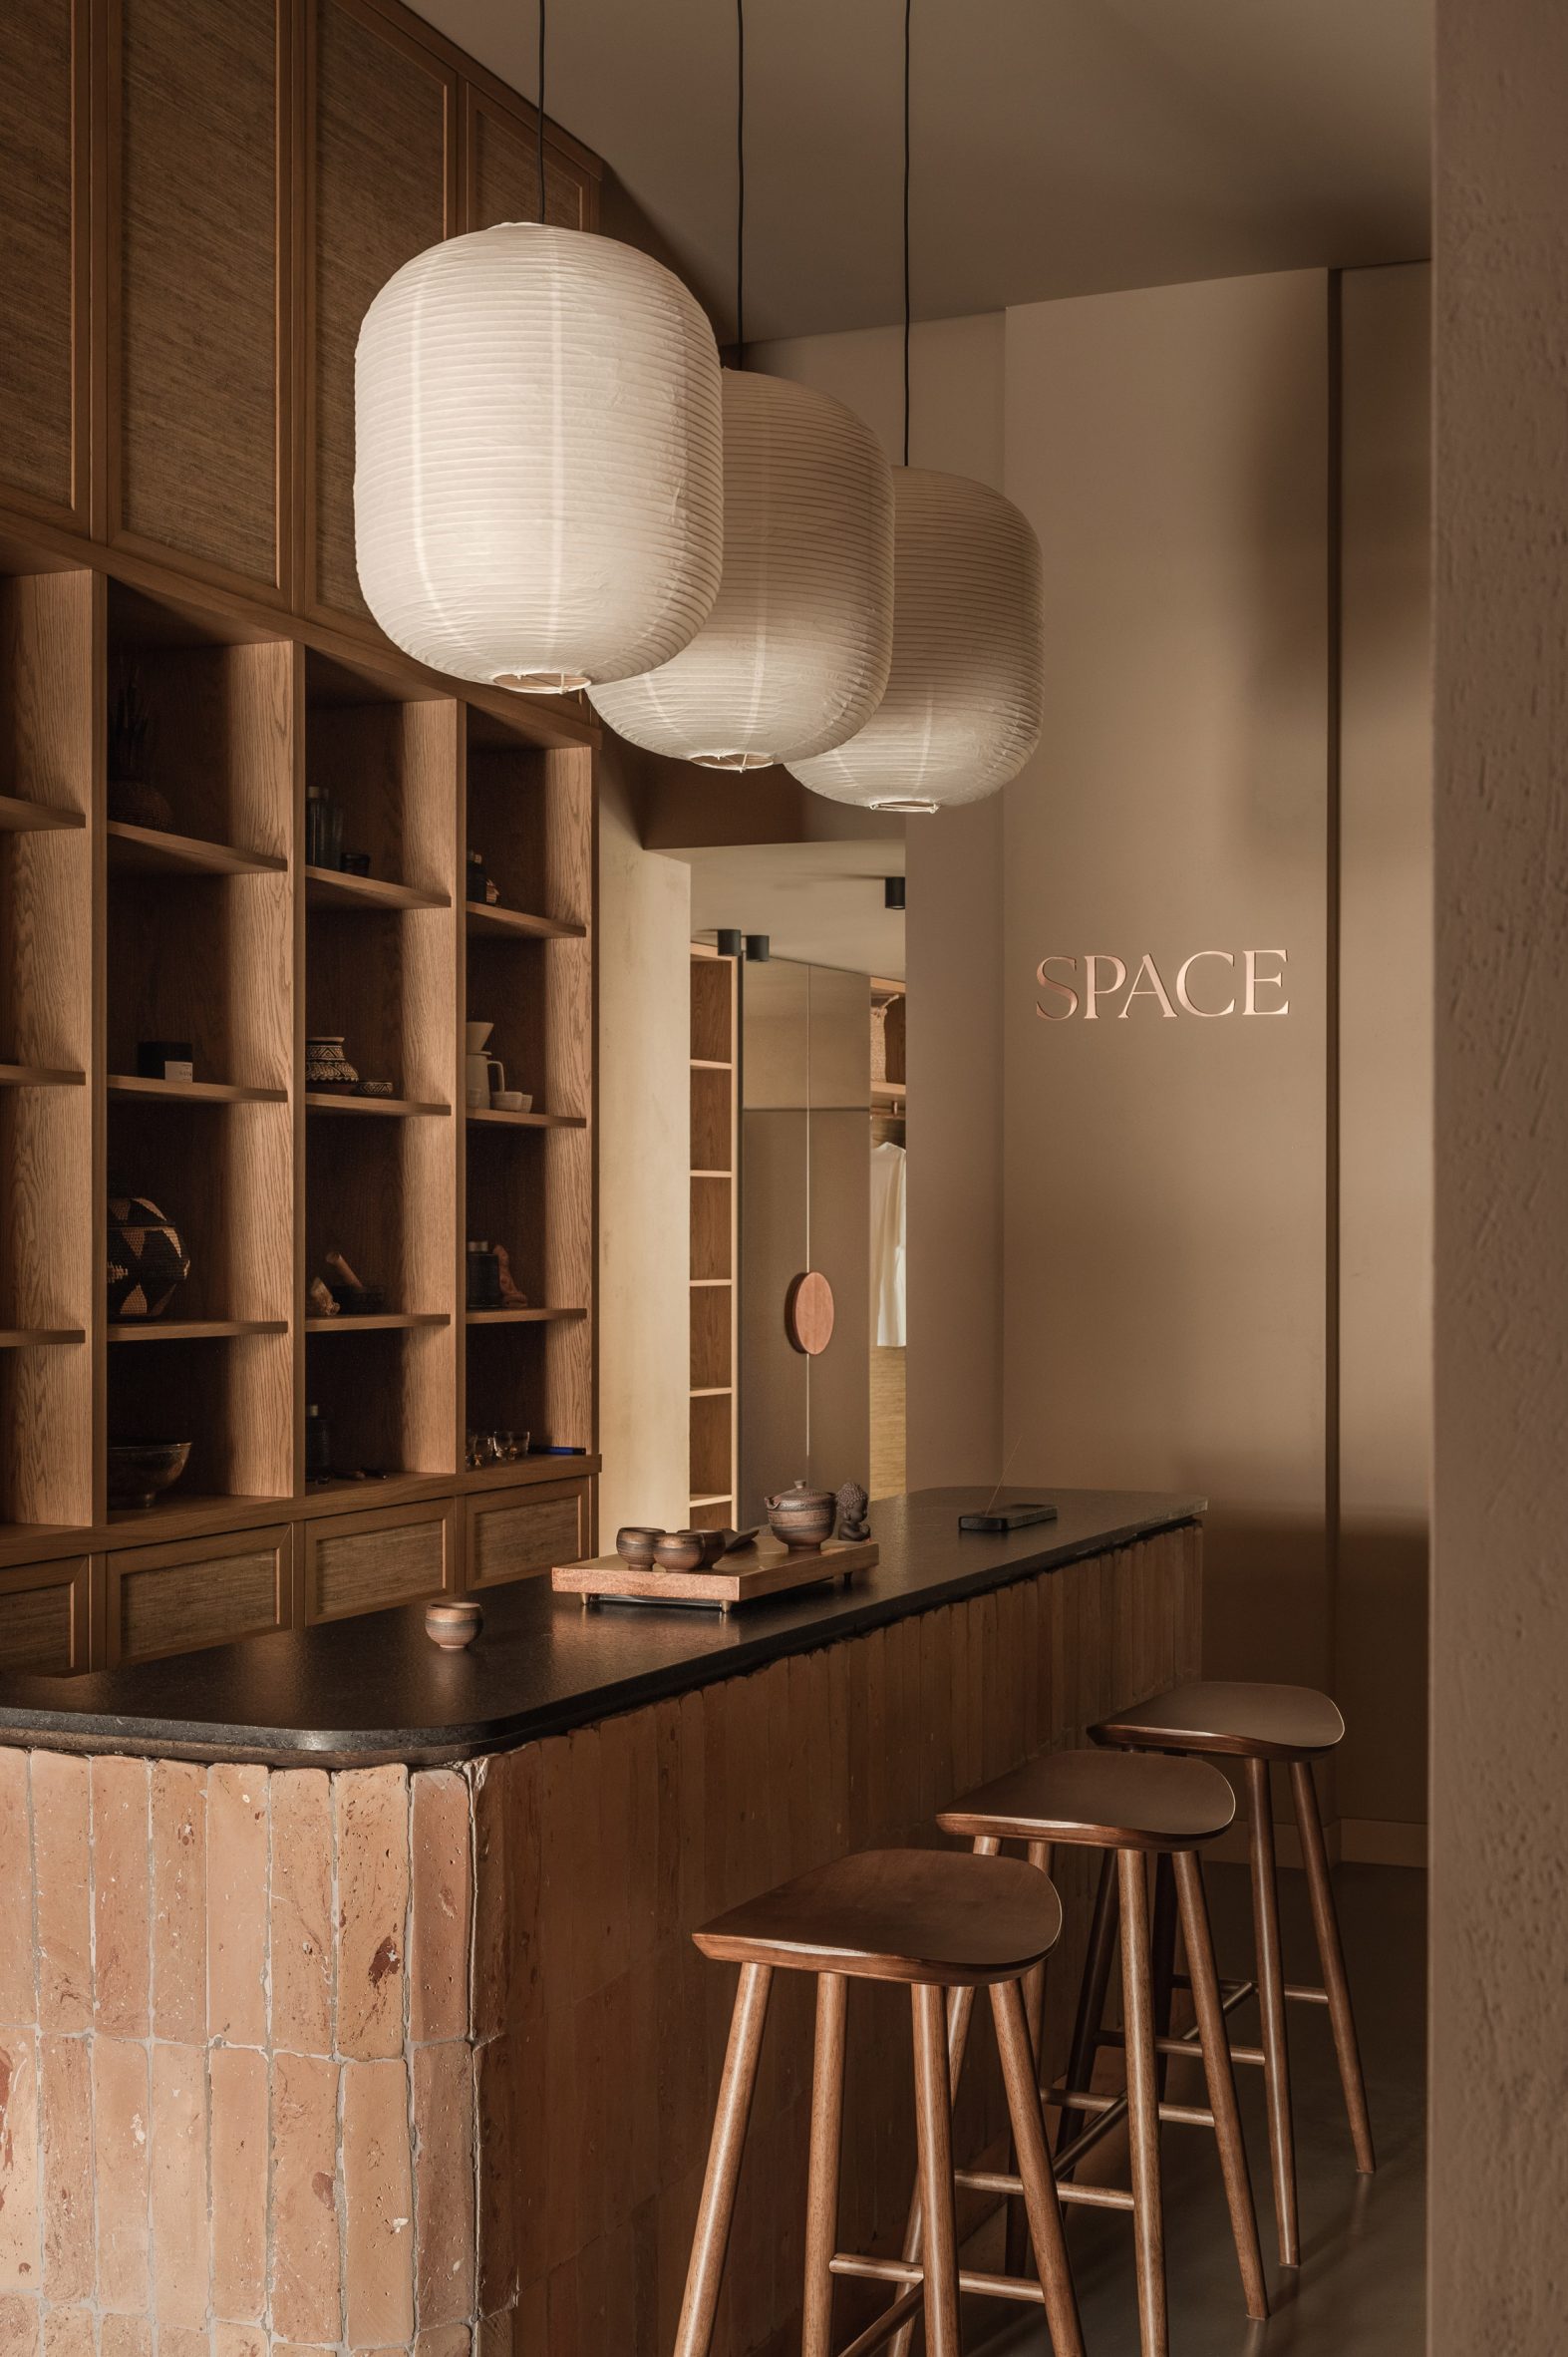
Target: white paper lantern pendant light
(793, 657)
(965, 698)
(538, 498)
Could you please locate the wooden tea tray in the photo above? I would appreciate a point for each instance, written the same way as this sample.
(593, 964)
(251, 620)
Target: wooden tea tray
(764, 1569)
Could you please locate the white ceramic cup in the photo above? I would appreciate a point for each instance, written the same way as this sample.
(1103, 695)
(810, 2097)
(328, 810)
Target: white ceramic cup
(511, 1101)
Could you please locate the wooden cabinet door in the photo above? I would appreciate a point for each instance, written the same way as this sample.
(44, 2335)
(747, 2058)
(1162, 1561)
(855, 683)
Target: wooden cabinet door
(44, 260)
(43, 1618)
(198, 325)
(382, 187)
(363, 1562)
(519, 1534)
(199, 1591)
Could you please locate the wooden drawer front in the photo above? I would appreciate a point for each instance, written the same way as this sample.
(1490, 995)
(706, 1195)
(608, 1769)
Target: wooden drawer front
(207, 1591)
(523, 1531)
(363, 1562)
(43, 1618)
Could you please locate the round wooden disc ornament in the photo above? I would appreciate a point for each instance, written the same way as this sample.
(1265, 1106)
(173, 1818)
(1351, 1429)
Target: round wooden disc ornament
(808, 1313)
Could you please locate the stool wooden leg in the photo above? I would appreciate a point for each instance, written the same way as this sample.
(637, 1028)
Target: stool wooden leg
(822, 2199)
(1164, 1954)
(960, 2007)
(695, 2332)
(1092, 1996)
(1221, 2076)
(1271, 2005)
(934, 2135)
(1137, 2005)
(1020, 2072)
(1325, 1920)
(1018, 2246)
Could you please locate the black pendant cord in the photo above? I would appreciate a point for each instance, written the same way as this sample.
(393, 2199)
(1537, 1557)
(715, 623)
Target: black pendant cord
(908, 13)
(740, 182)
(541, 110)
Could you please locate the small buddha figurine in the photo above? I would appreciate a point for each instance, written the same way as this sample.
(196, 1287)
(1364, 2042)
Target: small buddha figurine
(852, 1505)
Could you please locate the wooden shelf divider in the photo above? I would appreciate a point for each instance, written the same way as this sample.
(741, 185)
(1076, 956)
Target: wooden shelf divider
(381, 1321)
(39, 1337)
(193, 1092)
(483, 917)
(521, 1317)
(192, 1329)
(330, 888)
(38, 1075)
(396, 1108)
(153, 850)
(498, 1118)
(19, 816)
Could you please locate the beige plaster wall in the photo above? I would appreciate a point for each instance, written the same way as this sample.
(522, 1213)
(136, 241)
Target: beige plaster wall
(1500, 2158)
(644, 1157)
(1164, 1197)
(953, 939)
(1385, 1057)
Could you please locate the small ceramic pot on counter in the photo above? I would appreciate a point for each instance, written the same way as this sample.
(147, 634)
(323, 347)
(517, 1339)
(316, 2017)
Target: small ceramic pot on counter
(803, 1518)
(635, 1543)
(690, 1550)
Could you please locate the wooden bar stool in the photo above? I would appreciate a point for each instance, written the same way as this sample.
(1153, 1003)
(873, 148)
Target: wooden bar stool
(940, 1922)
(1259, 1724)
(1129, 1808)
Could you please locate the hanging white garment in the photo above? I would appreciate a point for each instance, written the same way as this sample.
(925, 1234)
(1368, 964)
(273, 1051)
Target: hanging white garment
(887, 1245)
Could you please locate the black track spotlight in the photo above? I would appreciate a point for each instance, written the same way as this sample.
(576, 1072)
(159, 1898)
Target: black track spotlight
(893, 891)
(759, 948)
(728, 938)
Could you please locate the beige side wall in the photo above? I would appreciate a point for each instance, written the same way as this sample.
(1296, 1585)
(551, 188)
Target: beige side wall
(1164, 1178)
(1500, 2158)
(1385, 1063)
(644, 1157)
(953, 941)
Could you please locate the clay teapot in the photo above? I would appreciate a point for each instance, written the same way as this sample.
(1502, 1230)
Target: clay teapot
(803, 1518)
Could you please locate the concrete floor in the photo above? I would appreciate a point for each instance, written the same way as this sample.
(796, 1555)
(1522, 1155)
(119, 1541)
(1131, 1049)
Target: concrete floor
(1359, 2289)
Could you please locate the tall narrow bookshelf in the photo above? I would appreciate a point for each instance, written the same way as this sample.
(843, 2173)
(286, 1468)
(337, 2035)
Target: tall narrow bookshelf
(715, 1176)
(193, 916)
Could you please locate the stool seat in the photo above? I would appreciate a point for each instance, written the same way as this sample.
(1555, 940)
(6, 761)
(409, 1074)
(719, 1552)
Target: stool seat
(1103, 1800)
(1238, 1721)
(898, 1915)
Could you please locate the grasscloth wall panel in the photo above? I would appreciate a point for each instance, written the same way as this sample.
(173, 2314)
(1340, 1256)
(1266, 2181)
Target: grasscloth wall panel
(41, 279)
(384, 190)
(201, 198)
(426, 2063)
(201, 294)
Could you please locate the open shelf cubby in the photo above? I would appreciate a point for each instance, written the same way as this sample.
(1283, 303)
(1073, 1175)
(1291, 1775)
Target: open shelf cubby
(713, 1399)
(528, 1177)
(155, 752)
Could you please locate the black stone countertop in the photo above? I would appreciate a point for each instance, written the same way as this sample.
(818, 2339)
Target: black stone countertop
(356, 1692)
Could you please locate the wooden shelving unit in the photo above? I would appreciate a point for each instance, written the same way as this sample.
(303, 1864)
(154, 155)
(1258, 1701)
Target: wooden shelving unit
(211, 929)
(714, 1075)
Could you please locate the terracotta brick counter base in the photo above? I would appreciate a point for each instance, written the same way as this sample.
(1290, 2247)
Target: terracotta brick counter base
(391, 2059)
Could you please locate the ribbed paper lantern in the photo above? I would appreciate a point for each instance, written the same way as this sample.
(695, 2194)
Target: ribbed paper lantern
(794, 656)
(966, 693)
(538, 496)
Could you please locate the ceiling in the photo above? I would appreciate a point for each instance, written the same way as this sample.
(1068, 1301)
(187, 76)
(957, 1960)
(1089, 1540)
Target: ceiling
(1060, 147)
(820, 902)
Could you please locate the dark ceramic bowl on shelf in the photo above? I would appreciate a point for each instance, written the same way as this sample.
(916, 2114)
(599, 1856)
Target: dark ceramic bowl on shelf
(139, 1470)
(635, 1543)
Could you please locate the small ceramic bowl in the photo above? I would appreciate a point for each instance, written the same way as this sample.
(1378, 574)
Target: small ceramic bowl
(359, 1301)
(453, 1625)
(690, 1551)
(511, 1101)
(635, 1544)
